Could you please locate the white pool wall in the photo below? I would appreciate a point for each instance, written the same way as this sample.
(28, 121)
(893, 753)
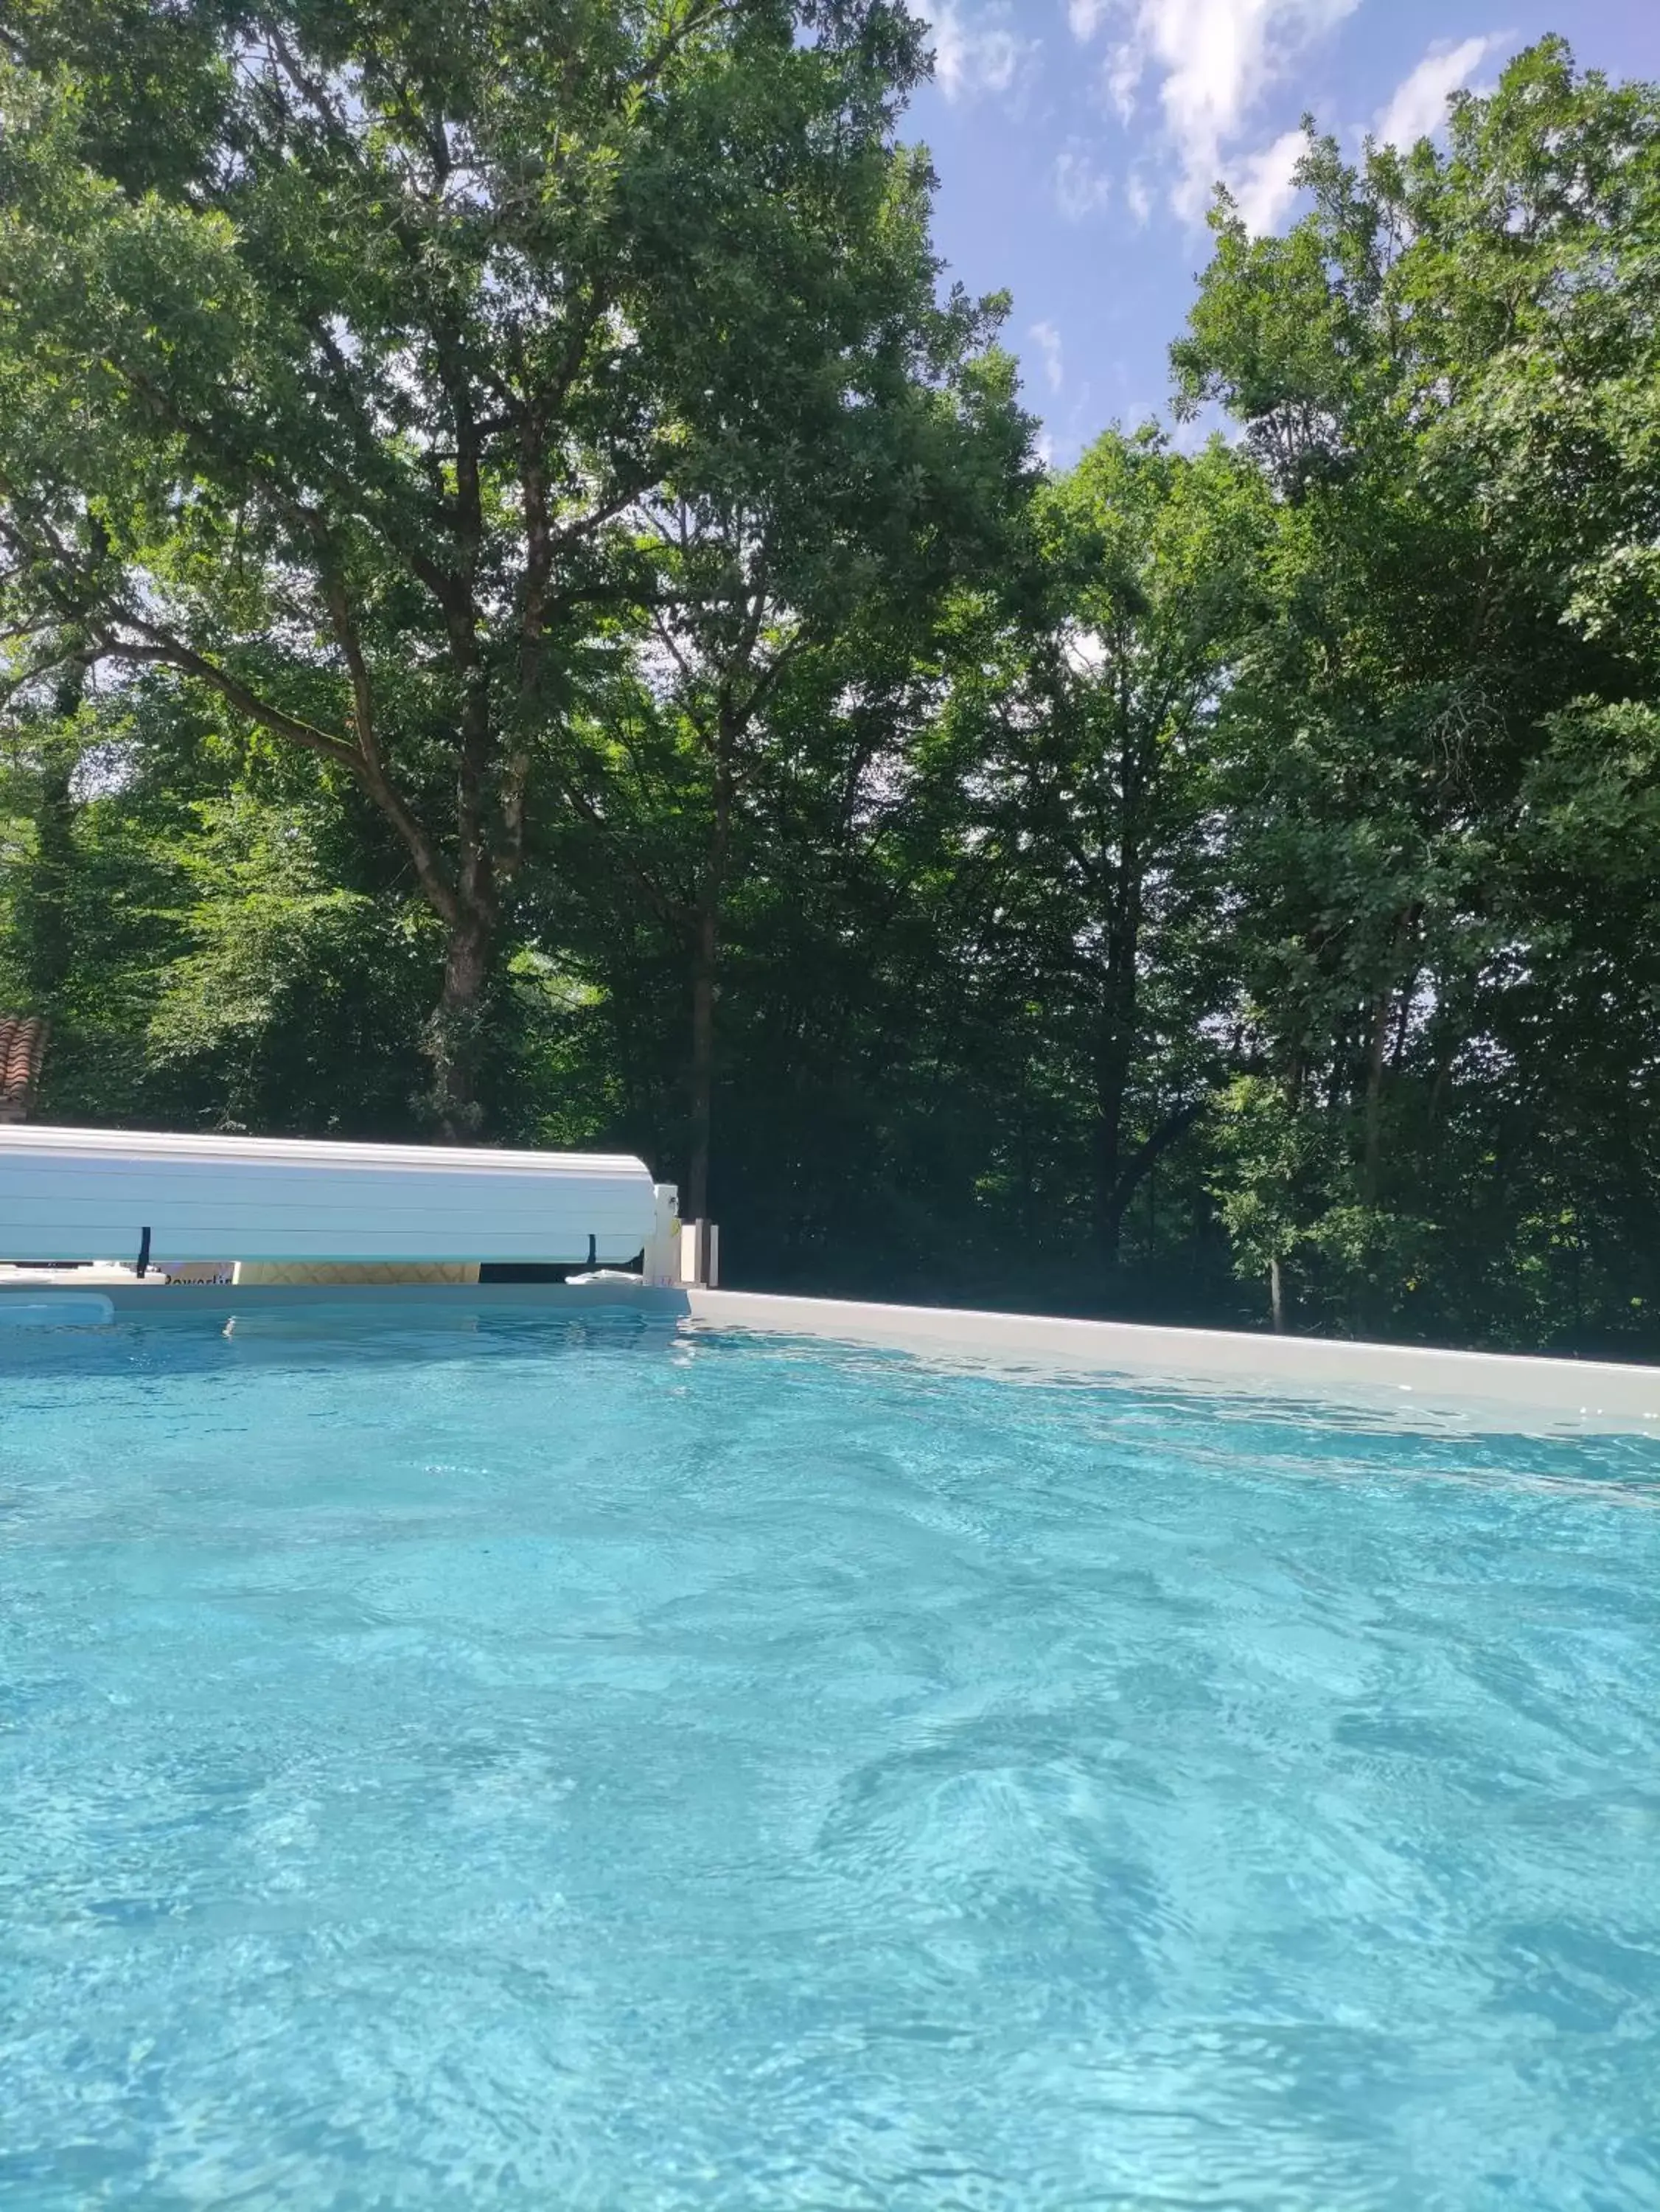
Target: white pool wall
(1503, 1389)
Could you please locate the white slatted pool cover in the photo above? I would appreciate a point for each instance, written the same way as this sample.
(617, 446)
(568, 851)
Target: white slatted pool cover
(91, 1193)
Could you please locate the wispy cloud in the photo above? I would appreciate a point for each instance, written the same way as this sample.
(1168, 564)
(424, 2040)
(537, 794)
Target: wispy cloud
(1081, 188)
(1138, 197)
(1418, 107)
(1122, 77)
(976, 54)
(1261, 183)
(1211, 63)
(1084, 16)
(1047, 339)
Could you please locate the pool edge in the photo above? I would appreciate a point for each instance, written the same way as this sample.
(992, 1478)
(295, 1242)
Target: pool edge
(1586, 1394)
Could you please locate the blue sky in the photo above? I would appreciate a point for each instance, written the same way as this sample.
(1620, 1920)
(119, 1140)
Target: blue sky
(1076, 141)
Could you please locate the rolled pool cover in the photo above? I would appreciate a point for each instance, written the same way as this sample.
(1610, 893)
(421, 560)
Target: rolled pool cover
(159, 1199)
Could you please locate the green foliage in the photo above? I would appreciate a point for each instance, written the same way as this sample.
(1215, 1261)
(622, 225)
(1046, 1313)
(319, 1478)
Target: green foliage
(352, 391)
(1266, 1156)
(292, 1003)
(1448, 368)
(528, 602)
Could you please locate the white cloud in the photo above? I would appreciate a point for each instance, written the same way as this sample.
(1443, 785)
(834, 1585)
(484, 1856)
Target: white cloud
(1083, 16)
(1261, 183)
(1212, 61)
(1126, 65)
(978, 54)
(1418, 107)
(1048, 341)
(1080, 189)
(1138, 196)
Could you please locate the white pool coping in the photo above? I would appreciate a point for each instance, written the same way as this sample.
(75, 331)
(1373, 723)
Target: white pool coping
(1479, 1390)
(1482, 1389)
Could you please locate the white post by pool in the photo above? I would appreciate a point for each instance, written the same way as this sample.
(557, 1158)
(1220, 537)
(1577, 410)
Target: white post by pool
(699, 1253)
(662, 1251)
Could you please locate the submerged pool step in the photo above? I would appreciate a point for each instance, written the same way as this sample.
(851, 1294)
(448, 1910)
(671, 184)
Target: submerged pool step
(56, 1309)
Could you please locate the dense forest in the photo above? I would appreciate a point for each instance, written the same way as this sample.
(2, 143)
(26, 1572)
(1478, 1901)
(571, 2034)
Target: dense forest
(531, 614)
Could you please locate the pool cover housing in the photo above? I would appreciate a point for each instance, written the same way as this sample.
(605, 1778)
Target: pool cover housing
(165, 1199)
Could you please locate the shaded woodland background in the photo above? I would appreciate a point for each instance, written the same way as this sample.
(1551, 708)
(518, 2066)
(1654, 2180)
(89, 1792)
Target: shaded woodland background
(532, 615)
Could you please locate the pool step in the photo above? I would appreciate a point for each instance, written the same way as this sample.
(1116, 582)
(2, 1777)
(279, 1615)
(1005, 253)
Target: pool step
(57, 1310)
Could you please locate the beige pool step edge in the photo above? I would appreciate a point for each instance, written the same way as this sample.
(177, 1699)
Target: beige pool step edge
(1485, 1390)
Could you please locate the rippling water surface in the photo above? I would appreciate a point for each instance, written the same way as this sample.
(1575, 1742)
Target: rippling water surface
(517, 1764)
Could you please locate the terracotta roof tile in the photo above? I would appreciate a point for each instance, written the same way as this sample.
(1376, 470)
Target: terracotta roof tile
(22, 1048)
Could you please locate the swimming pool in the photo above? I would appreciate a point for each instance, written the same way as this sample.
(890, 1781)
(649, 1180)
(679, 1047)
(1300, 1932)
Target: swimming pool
(503, 1761)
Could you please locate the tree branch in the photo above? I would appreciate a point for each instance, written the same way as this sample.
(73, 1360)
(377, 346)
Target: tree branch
(158, 646)
(1174, 1126)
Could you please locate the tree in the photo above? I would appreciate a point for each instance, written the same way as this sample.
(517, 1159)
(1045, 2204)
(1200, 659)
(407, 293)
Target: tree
(1446, 368)
(342, 347)
(1212, 885)
(1085, 737)
(792, 607)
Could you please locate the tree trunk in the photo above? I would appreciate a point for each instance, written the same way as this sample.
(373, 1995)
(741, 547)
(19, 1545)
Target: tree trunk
(1138, 1168)
(47, 888)
(1373, 1144)
(45, 907)
(1115, 1053)
(705, 947)
(1276, 1302)
(1111, 1081)
(455, 1034)
(702, 1076)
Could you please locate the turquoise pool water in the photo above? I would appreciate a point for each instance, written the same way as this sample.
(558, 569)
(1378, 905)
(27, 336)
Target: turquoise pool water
(522, 1763)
